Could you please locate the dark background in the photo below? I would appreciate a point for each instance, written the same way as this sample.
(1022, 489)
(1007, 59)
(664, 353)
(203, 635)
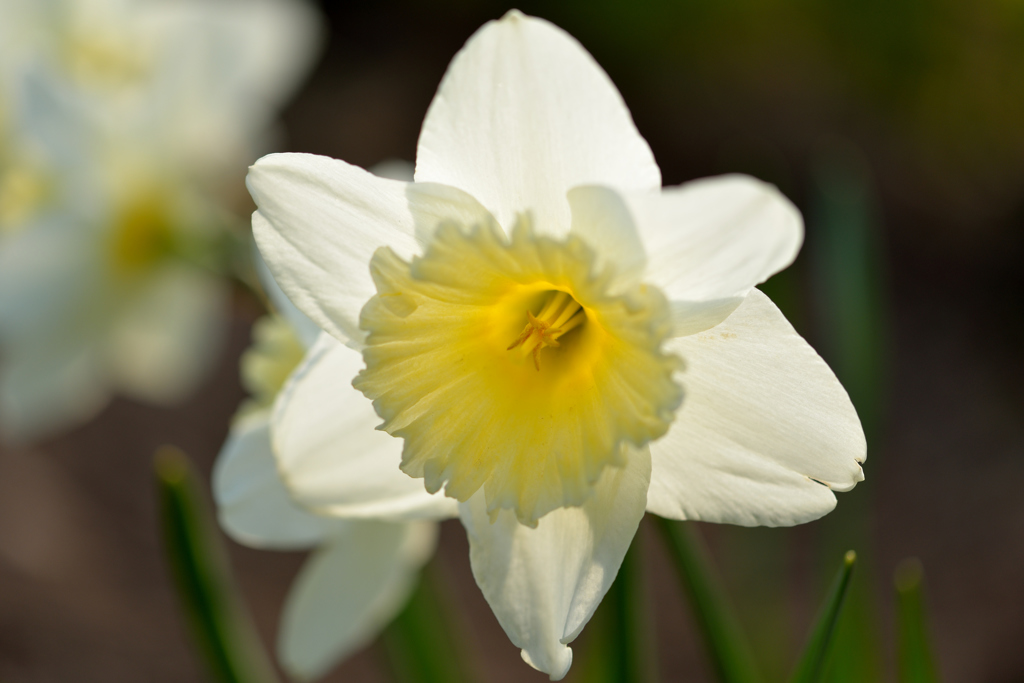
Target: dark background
(897, 127)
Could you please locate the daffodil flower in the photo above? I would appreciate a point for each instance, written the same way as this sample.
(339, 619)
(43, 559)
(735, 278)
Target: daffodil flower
(361, 571)
(130, 118)
(559, 343)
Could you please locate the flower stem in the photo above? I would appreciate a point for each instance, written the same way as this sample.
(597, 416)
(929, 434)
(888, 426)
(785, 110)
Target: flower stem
(812, 662)
(219, 623)
(728, 651)
(916, 663)
(422, 643)
(618, 642)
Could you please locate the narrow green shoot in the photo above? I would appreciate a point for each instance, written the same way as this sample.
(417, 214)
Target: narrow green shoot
(916, 663)
(422, 643)
(812, 662)
(727, 649)
(219, 624)
(622, 652)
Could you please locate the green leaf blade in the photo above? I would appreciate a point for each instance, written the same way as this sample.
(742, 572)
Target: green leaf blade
(916, 662)
(812, 662)
(727, 649)
(219, 624)
(619, 645)
(422, 643)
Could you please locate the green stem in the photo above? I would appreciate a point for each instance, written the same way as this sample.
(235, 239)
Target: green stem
(220, 626)
(812, 662)
(630, 627)
(916, 663)
(422, 642)
(728, 651)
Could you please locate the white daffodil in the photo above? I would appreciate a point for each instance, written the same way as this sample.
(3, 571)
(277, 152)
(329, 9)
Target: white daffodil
(362, 570)
(131, 119)
(559, 343)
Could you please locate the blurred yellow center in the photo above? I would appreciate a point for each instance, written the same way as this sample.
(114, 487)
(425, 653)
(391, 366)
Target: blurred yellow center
(22, 190)
(266, 365)
(142, 235)
(507, 364)
(104, 60)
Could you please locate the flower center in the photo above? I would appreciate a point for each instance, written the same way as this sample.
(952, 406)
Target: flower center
(508, 364)
(141, 236)
(265, 366)
(560, 314)
(104, 60)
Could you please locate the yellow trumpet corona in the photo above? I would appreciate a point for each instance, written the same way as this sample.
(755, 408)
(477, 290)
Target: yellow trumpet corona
(472, 410)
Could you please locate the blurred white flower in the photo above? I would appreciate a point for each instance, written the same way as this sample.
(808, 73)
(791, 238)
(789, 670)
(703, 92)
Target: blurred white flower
(123, 128)
(362, 570)
(524, 311)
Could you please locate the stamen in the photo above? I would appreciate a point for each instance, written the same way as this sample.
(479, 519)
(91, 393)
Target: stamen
(567, 313)
(553, 304)
(559, 314)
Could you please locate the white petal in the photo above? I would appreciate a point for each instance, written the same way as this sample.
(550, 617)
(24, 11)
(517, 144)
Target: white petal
(432, 203)
(53, 308)
(545, 583)
(601, 218)
(57, 122)
(349, 590)
(49, 385)
(329, 452)
(163, 343)
(320, 220)
(220, 69)
(305, 329)
(765, 433)
(523, 115)
(257, 50)
(396, 169)
(253, 504)
(711, 240)
(50, 275)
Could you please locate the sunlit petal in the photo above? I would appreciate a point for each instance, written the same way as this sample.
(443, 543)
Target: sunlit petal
(320, 220)
(523, 115)
(545, 583)
(711, 240)
(767, 432)
(330, 454)
(349, 590)
(253, 505)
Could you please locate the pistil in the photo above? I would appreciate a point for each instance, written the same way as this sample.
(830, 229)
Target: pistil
(559, 314)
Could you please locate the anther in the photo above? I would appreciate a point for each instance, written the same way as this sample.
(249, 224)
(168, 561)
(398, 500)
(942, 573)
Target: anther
(559, 314)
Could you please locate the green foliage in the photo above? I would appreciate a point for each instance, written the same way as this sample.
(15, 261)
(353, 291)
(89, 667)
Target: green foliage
(422, 642)
(848, 277)
(619, 649)
(812, 662)
(220, 626)
(727, 650)
(916, 663)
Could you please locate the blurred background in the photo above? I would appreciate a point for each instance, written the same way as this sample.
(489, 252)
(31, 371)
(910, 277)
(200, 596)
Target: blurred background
(897, 127)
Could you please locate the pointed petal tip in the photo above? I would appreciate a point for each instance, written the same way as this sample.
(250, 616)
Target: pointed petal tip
(559, 663)
(268, 160)
(481, 132)
(856, 476)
